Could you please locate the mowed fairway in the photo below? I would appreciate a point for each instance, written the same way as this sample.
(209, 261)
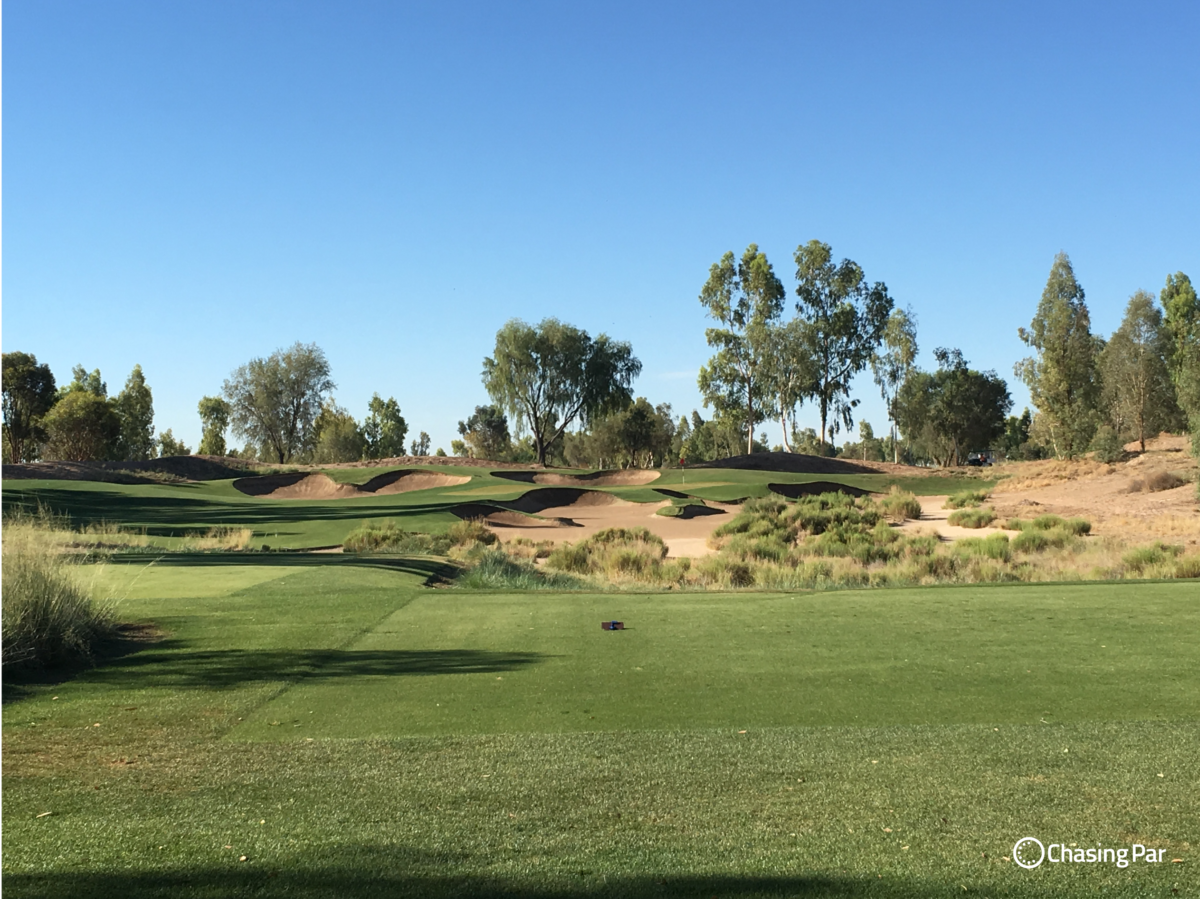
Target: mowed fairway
(327, 726)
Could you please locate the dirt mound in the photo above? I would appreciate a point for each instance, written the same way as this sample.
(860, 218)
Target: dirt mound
(1163, 443)
(799, 463)
(151, 471)
(405, 481)
(537, 501)
(502, 518)
(296, 485)
(815, 488)
(627, 477)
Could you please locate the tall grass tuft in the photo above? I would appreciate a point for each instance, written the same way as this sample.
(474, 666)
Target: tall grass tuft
(49, 616)
(971, 518)
(899, 505)
(967, 499)
(492, 569)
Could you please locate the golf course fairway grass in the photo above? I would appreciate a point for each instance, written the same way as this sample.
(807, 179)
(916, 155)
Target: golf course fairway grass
(327, 726)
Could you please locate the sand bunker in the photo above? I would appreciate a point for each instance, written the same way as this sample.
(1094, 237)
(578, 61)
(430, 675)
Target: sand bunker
(318, 486)
(535, 502)
(502, 518)
(815, 488)
(630, 477)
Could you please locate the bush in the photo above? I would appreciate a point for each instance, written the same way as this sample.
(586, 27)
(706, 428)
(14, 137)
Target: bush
(967, 499)
(1046, 522)
(1077, 526)
(387, 538)
(1138, 560)
(1107, 446)
(48, 616)
(1030, 541)
(619, 552)
(472, 530)
(492, 569)
(972, 518)
(995, 546)
(899, 505)
(1188, 567)
(1163, 480)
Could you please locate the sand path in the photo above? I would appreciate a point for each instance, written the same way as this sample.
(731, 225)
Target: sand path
(934, 515)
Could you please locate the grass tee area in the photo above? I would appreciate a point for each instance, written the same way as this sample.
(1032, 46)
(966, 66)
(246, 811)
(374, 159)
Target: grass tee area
(308, 725)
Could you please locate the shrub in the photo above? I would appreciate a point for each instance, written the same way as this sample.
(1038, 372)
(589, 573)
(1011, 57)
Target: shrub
(1107, 446)
(1077, 526)
(1015, 524)
(967, 499)
(1188, 567)
(992, 547)
(1137, 560)
(387, 538)
(1046, 522)
(899, 505)
(1163, 480)
(972, 518)
(918, 547)
(488, 568)
(1030, 541)
(49, 618)
(472, 530)
(619, 552)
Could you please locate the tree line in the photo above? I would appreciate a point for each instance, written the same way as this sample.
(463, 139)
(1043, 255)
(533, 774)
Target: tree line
(561, 397)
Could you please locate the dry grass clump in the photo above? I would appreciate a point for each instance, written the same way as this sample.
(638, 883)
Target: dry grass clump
(971, 518)
(388, 538)
(899, 505)
(216, 539)
(1159, 481)
(967, 499)
(49, 615)
(524, 548)
(1048, 472)
(620, 554)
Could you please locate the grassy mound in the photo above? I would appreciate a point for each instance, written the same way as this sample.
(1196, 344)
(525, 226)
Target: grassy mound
(971, 518)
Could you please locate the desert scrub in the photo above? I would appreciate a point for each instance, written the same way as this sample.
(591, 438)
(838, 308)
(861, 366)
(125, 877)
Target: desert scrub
(488, 568)
(630, 553)
(388, 538)
(971, 518)
(49, 615)
(967, 499)
(1145, 559)
(524, 548)
(995, 547)
(219, 538)
(899, 505)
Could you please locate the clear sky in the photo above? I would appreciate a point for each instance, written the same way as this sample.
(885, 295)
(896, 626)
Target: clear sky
(188, 185)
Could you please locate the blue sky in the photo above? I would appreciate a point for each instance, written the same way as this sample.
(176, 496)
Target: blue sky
(188, 185)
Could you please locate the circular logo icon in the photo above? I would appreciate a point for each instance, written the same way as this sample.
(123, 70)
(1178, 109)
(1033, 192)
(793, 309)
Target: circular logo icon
(1029, 852)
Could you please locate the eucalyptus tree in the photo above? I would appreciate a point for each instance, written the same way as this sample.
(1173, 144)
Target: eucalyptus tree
(1138, 392)
(745, 298)
(844, 321)
(550, 375)
(384, 429)
(893, 362)
(1182, 321)
(214, 422)
(135, 408)
(1063, 375)
(29, 393)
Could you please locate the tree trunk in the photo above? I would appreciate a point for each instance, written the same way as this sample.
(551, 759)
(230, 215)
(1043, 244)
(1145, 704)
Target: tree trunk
(783, 422)
(895, 446)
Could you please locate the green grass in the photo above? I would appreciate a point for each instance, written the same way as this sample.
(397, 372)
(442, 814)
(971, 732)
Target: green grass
(170, 513)
(355, 734)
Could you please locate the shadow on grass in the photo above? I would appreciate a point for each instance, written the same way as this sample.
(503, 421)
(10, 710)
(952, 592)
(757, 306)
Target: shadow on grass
(430, 568)
(312, 881)
(169, 664)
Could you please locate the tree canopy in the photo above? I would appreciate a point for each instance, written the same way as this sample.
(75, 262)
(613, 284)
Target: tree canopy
(550, 375)
(275, 401)
(135, 408)
(893, 362)
(844, 321)
(1063, 376)
(1138, 393)
(214, 422)
(81, 427)
(485, 433)
(384, 429)
(28, 394)
(745, 298)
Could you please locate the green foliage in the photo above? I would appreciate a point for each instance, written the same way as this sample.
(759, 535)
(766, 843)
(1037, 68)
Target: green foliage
(1107, 445)
(550, 375)
(717, 438)
(470, 531)
(49, 617)
(845, 319)
(1017, 440)
(214, 422)
(616, 552)
(1138, 560)
(420, 446)
(28, 394)
(967, 499)
(1182, 322)
(169, 446)
(953, 411)
(485, 434)
(81, 426)
(899, 505)
(384, 429)
(386, 537)
(1062, 376)
(745, 298)
(1139, 397)
(971, 518)
(274, 402)
(336, 436)
(640, 436)
(995, 546)
(892, 366)
(135, 409)
(492, 569)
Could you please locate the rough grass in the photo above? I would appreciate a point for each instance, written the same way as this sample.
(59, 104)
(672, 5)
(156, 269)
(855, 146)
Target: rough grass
(899, 505)
(967, 499)
(49, 615)
(388, 538)
(971, 518)
(492, 569)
